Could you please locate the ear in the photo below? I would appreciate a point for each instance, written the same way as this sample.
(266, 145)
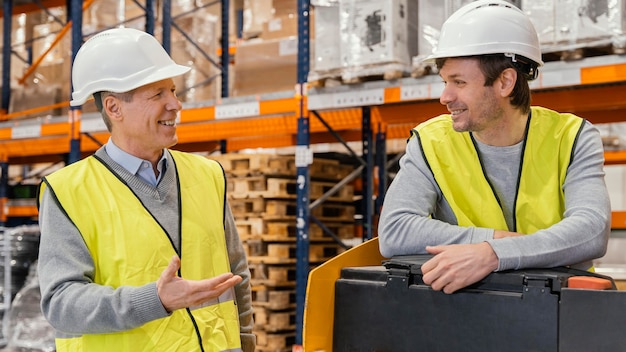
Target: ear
(112, 107)
(507, 80)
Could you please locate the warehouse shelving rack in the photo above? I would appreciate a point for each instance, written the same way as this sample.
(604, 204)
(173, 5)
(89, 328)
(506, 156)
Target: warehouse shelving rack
(371, 112)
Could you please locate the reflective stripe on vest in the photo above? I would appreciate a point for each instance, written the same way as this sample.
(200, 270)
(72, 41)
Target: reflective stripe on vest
(130, 248)
(455, 164)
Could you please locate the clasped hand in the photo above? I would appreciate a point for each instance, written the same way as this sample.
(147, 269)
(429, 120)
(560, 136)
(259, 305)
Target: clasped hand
(177, 293)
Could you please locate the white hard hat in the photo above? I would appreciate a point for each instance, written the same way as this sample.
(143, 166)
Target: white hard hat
(120, 60)
(488, 27)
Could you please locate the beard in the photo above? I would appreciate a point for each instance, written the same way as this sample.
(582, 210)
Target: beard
(483, 115)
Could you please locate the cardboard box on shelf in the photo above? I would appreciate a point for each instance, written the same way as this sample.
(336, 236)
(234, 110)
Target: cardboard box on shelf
(45, 35)
(255, 13)
(215, 8)
(279, 27)
(376, 33)
(577, 24)
(202, 82)
(104, 14)
(35, 96)
(265, 66)
(326, 48)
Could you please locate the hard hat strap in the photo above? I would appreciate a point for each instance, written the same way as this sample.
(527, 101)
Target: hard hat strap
(524, 65)
(97, 96)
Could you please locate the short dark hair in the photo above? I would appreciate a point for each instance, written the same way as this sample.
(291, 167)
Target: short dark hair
(492, 66)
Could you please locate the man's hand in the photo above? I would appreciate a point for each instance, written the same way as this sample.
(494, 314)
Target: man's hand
(177, 293)
(458, 265)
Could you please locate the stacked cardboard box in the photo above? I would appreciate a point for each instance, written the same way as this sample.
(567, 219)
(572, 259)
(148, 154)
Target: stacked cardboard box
(50, 81)
(266, 66)
(326, 62)
(267, 56)
(378, 38)
(567, 26)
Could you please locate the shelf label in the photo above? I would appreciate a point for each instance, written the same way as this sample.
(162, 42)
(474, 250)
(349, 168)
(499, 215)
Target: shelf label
(320, 101)
(304, 156)
(415, 92)
(349, 99)
(229, 111)
(436, 89)
(360, 98)
(560, 78)
(30, 131)
(92, 125)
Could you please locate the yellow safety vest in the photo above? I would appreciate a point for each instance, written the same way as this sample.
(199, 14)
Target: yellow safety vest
(457, 169)
(130, 248)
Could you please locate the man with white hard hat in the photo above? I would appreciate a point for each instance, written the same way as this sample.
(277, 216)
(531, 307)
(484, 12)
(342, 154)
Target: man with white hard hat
(495, 184)
(139, 250)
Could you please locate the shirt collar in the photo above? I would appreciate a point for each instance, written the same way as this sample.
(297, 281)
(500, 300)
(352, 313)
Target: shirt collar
(129, 162)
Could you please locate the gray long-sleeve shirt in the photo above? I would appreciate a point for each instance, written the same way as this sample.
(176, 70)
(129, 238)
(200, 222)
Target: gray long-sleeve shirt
(406, 228)
(74, 305)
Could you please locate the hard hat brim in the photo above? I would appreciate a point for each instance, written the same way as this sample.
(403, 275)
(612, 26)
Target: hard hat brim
(170, 71)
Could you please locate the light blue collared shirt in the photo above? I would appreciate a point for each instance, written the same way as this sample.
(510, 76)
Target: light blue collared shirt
(136, 166)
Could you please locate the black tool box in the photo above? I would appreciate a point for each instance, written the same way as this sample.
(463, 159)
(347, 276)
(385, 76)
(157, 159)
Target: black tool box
(389, 308)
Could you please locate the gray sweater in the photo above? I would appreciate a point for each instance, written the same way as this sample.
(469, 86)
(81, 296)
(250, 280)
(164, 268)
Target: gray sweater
(74, 305)
(406, 228)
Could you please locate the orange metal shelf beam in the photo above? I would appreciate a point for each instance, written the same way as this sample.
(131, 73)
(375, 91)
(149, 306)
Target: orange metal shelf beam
(598, 104)
(31, 7)
(618, 220)
(276, 124)
(23, 113)
(24, 211)
(615, 157)
(603, 74)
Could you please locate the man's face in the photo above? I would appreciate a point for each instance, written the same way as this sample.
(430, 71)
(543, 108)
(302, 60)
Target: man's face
(149, 119)
(473, 106)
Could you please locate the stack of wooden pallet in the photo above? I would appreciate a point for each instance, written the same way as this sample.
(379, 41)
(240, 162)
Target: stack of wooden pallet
(262, 191)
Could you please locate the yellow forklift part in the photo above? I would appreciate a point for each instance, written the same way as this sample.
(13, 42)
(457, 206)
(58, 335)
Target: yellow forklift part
(317, 332)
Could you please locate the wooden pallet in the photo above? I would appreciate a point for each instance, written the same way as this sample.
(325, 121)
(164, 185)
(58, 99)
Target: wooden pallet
(274, 342)
(256, 164)
(272, 275)
(567, 51)
(247, 208)
(273, 320)
(285, 210)
(285, 230)
(273, 298)
(324, 78)
(259, 251)
(241, 165)
(282, 210)
(383, 71)
(283, 188)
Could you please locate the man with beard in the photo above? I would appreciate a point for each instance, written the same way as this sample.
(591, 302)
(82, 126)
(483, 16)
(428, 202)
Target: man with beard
(495, 184)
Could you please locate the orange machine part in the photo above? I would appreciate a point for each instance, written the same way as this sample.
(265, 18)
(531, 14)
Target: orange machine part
(589, 283)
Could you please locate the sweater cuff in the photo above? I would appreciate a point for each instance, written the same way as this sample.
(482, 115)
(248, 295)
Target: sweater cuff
(147, 305)
(506, 259)
(482, 234)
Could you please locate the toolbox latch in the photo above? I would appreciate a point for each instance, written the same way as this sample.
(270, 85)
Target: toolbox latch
(398, 278)
(539, 283)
